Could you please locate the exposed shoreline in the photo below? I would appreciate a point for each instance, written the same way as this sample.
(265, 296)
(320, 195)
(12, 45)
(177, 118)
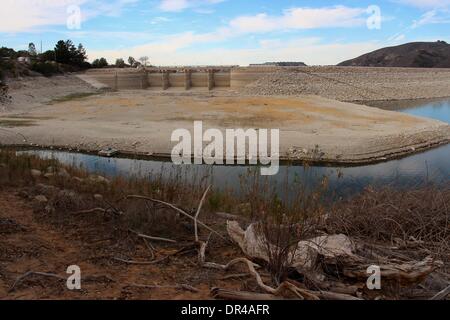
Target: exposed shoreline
(138, 123)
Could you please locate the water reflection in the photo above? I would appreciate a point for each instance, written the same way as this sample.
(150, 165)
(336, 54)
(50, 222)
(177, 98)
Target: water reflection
(432, 165)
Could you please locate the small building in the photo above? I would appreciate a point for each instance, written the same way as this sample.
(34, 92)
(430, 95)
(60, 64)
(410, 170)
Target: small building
(26, 60)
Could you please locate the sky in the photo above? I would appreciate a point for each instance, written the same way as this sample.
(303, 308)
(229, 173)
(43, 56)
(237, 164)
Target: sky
(224, 32)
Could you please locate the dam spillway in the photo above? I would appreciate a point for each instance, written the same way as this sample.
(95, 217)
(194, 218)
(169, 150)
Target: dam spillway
(180, 77)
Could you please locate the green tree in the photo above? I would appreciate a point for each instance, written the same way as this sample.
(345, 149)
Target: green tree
(120, 63)
(48, 55)
(32, 49)
(100, 63)
(67, 53)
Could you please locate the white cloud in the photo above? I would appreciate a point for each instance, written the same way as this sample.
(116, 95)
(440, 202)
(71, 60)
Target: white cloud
(26, 15)
(301, 18)
(180, 5)
(179, 48)
(427, 4)
(176, 51)
(435, 16)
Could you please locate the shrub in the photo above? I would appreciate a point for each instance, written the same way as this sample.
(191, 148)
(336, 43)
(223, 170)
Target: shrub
(45, 68)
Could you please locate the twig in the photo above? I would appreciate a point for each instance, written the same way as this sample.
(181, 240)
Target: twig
(176, 209)
(228, 216)
(236, 276)
(141, 262)
(91, 211)
(29, 273)
(442, 294)
(198, 212)
(150, 248)
(176, 286)
(218, 293)
(141, 235)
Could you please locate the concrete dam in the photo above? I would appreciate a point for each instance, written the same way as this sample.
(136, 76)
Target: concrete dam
(183, 78)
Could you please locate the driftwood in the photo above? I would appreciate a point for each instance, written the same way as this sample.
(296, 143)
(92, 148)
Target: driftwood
(176, 286)
(224, 294)
(405, 273)
(229, 216)
(332, 250)
(442, 295)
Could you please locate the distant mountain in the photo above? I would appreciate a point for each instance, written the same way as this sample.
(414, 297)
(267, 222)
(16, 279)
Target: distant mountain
(414, 55)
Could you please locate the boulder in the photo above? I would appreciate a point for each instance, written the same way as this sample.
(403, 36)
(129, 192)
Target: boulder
(36, 173)
(39, 203)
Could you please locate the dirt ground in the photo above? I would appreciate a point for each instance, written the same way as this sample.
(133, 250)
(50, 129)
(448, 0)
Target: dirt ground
(31, 242)
(143, 121)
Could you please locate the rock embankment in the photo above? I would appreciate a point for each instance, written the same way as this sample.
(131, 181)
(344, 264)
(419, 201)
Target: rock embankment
(355, 83)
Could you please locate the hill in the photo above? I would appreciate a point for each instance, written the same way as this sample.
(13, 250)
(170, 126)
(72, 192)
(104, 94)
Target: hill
(413, 55)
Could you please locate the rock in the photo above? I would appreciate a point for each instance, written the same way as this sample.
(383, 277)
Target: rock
(77, 180)
(99, 179)
(63, 173)
(46, 190)
(49, 175)
(50, 169)
(35, 173)
(39, 203)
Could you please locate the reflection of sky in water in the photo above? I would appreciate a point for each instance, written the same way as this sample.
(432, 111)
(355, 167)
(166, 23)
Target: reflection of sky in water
(432, 164)
(439, 110)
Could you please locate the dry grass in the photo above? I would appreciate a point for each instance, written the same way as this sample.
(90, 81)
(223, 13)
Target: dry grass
(417, 220)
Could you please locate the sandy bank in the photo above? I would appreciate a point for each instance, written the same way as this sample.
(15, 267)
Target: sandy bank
(143, 121)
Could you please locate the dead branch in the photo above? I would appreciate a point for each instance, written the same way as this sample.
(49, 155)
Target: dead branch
(30, 273)
(141, 262)
(442, 294)
(177, 210)
(141, 235)
(94, 210)
(150, 248)
(224, 294)
(236, 276)
(176, 286)
(328, 295)
(228, 216)
(198, 212)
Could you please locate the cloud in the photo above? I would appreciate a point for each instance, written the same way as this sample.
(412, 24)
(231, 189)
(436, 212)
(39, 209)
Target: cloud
(426, 4)
(180, 5)
(180, 48)
(177, 50)
(28, 15)
(158, 20)
(435, 16)
(301, 18)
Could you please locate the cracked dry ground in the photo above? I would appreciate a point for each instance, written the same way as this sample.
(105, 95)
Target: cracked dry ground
(31, 241)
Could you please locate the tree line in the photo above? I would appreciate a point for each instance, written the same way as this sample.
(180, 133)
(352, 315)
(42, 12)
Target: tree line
(66, 56)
